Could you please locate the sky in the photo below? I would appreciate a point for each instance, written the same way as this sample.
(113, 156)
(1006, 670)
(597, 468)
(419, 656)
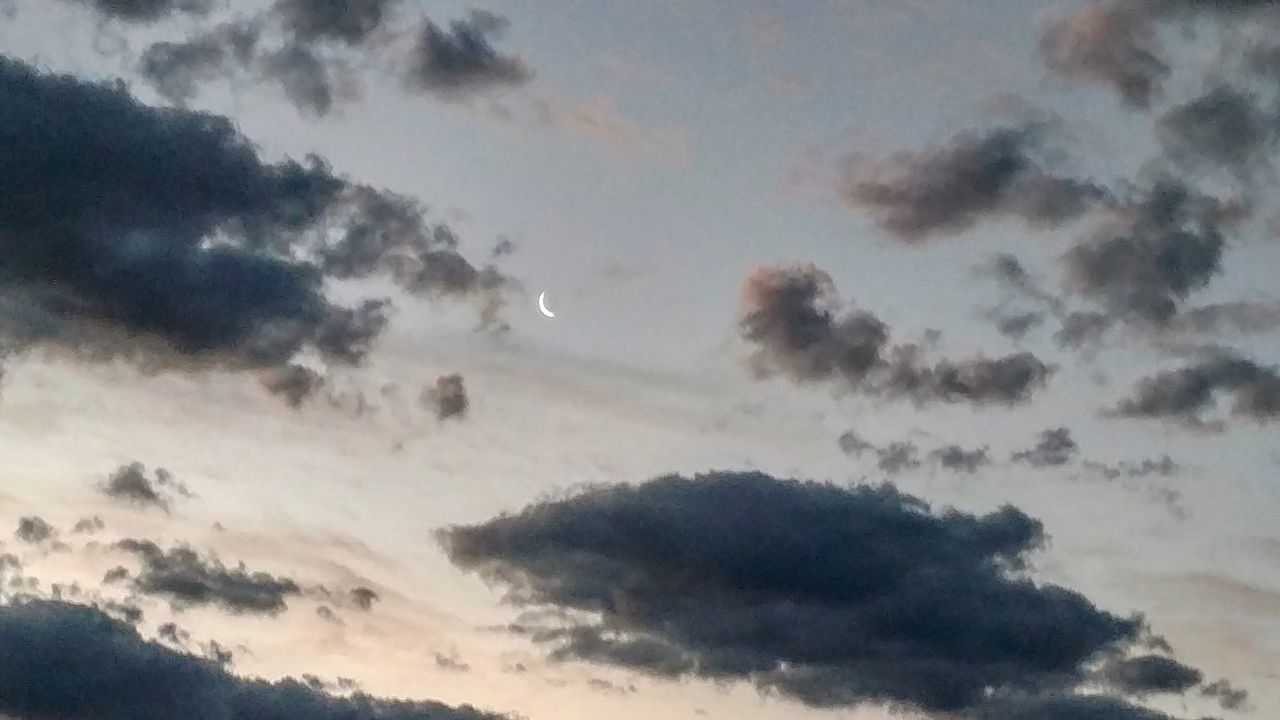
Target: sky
(910, 359)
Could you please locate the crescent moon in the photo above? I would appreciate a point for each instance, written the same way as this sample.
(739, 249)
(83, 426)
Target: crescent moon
(542, 305)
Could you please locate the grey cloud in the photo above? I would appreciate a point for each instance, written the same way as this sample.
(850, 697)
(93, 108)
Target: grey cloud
(177, 69)
(89, 525)
(1150, 674)
(364, 598)
(793, 318)
(1225, 127)
(852, 444)
(34, 530)
(295, 383)
(956, 458)
(833, 596)
(1055, 447)
(950, 188)
(1018, 325)
(53, 669)
(897, 457)
(310, 82)
(347, 21)
(1183, 395)
(447, 398)
(116, 257)
(146, 10)
(1164, 466)
(1229, 697)
(462, 60)
(187, 578)
(130, 483)
(1117, 43)
(1156, 247)
(451, 663)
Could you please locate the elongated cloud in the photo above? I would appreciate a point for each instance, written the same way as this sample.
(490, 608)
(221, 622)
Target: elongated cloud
(795, 322)
(1055, 447)
(948, 189)
(185, 577)
(162, 237)
(833, 596)
(53, 668)
(1186, 394)
(146, 10)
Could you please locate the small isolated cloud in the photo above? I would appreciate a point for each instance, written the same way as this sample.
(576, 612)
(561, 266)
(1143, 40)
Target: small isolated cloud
(1228, 696)
(1055, 447)
(364, 598)
(1185, 395)
(833, 596)
(131, 484)
(187, 578)
(447, 398)
(958, 459)
(295, 383)
(34, 530)
(800, 330)
(455, 63)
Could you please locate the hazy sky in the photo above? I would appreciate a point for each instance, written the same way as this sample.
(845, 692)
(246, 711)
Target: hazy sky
(272, 347)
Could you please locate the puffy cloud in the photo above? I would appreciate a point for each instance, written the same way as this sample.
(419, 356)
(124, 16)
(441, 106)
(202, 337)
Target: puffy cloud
(130, 483)
(948, 189)
(1229, 697)
(462, 60)
(162, 237)
(186, 578)
(1055, 447)
(1183, 395)
(34, 530)
(793, 318)
(1225, 127)
(830, 595)
(295, 383)
(447, 398)
(364, 598)
(898, 456)
(1152, 251)
(958, 459)
(54, 668)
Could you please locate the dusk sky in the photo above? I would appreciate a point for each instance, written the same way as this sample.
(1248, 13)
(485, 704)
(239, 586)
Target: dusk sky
(910, 358)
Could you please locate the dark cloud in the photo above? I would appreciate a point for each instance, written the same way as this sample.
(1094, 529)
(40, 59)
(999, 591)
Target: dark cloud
(793, 318)
(89, 525)
(186, 578)
(177, 69)
(1185, 394)
(1055, 447)
(295, 383)
(833, 596)
(312, 83)
(160, 236)
(34, 530)
(451, 663)
(364, 598)
(447, 398)
(130, 483)
(1229, 697)
(1150, 674)
(1225, 127)
(1117, 42)
(956, 458)
(461, 61)
(851, 443)
(1152, 251)
(70, 662)
(898, 456)
(347, 21)
(948, 189)
(1017, 326)
(146, 10)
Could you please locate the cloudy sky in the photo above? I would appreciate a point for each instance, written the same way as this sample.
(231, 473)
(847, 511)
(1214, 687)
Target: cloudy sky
(911, 358)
